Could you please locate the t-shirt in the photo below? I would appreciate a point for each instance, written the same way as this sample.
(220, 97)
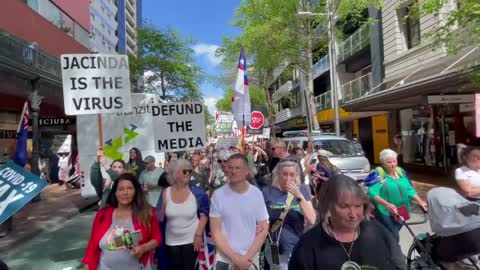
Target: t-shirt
(115, 255)
(294, 223)
(240, 213)
(151, 178)
(374, 249)
(466, 174)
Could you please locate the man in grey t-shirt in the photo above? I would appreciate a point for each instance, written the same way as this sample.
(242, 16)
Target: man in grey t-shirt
(235, 212)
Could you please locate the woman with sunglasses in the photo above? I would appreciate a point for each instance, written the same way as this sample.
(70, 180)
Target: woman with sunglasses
(185, 209)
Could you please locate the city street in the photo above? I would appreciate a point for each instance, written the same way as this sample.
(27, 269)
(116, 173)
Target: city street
(60, 249)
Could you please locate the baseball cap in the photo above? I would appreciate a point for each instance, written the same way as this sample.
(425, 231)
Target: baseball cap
(148, 159)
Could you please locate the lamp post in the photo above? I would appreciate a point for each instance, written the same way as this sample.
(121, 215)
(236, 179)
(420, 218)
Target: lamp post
(332, 60)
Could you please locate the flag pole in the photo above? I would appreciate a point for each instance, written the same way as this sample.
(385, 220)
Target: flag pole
(21, 116)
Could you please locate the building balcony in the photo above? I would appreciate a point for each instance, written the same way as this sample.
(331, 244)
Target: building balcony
(20, 56)
(353, 44)
(282, 91)
(323, 101)
(322, 66)
(287, 114)
(356, 88)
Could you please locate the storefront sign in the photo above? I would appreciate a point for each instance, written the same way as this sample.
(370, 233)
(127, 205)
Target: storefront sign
(95, 83)
(8, 134)
(467, 107)
(56, 121)
(17, 188)
(445, 99)
(182, 126)
(477, 113)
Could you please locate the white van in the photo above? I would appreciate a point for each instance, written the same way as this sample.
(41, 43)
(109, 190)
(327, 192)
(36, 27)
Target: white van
(345, 155)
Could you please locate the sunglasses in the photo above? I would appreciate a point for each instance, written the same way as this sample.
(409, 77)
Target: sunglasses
(185, 172)
(222, 161)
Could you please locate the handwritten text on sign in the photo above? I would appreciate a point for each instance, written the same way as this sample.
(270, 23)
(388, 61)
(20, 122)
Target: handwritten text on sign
(179, 126)
(17, 188)
(95, 83)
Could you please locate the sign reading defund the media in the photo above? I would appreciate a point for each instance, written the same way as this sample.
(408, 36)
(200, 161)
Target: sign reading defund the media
(95, 83)
(17, 188)
(179, 126)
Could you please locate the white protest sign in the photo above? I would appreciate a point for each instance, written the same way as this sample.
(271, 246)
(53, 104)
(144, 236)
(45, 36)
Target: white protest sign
(225, 143)
(95, 83)
(179, 126)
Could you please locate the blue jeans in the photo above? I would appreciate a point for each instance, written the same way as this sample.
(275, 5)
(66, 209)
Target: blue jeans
(390, 223)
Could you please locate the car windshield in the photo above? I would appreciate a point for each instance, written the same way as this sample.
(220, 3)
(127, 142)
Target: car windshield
(337, 148)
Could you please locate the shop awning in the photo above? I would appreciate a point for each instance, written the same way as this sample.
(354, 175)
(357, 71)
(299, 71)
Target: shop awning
(327, 116)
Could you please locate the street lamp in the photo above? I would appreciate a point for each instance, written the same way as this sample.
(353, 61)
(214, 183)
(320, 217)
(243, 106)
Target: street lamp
(332, 60)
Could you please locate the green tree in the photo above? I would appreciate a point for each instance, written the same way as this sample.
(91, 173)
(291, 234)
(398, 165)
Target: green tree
(168, 60)
(273, 34)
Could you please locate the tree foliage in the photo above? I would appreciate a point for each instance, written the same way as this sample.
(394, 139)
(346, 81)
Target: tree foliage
(459, 26)
(166, 60)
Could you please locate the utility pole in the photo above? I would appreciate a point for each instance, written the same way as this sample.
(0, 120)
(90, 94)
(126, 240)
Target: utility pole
(333, 65)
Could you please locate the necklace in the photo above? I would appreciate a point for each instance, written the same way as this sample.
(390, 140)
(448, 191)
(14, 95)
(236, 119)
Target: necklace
(348, 265)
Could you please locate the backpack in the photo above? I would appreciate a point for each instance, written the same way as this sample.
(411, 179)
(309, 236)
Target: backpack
(381, 173)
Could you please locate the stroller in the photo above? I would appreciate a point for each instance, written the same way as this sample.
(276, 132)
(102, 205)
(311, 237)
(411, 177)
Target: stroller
(455, 222)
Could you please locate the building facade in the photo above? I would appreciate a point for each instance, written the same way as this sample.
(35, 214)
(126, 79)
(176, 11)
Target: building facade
(30, 50)
(103, 33)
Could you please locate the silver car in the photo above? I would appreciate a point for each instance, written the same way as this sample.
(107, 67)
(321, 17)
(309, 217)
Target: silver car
(347, 156)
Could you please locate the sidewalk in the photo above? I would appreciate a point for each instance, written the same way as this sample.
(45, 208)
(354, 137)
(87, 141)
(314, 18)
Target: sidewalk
(57, 205)
(424, 182)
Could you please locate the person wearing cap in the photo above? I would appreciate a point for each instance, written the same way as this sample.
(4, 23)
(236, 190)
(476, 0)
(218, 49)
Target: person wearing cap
(149, 180)
(324, 169)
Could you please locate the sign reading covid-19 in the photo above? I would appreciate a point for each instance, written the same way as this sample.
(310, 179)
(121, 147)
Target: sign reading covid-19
(17, 188)
(180, 126)
(95, 83)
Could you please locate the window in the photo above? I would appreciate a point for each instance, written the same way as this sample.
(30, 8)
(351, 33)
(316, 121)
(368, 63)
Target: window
(66, 24)
(49, 11)
(409, 25)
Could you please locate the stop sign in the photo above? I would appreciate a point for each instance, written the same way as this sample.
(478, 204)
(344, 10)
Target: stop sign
(256, 120)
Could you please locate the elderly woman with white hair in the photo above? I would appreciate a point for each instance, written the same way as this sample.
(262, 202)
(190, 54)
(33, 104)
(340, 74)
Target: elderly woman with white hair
(391, 191)
(290, 208)
(345, 238)
(185, 209)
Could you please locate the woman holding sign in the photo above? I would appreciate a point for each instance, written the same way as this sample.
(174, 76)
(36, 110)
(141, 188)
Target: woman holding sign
(124, 233)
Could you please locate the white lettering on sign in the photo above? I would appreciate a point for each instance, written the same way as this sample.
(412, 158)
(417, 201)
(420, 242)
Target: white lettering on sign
(12, 196)
(95, 83)
(12, 176)
(182, 125)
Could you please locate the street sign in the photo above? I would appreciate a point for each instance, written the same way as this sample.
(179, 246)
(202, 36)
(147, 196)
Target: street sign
(179, 126)
(95, 83)
(17, 188)
(257, 120)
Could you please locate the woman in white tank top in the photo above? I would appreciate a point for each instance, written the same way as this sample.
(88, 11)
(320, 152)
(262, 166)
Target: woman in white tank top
(184, 227)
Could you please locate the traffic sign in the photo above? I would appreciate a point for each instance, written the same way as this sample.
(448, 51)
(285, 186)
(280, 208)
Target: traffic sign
(257, 120)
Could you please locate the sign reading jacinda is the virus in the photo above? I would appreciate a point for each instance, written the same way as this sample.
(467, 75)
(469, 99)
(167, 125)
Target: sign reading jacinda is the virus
(179, 126)
(95, 83)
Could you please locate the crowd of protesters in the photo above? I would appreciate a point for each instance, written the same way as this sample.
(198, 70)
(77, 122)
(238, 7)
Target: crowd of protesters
(224, 209)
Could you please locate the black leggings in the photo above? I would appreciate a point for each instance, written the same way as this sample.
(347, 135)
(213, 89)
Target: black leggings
(181, 257)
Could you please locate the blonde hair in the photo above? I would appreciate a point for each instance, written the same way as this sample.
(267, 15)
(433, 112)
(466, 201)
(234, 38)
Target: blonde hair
(281, 165)
(173, 167)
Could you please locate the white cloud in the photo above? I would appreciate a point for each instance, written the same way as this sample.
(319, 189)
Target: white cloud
(207, 50)
(211, 102)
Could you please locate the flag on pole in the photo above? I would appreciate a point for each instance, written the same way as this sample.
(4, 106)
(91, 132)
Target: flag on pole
(241, 97)
(22, 132)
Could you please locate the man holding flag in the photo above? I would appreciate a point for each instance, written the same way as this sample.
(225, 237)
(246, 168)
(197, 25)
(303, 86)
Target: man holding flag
(241, 97)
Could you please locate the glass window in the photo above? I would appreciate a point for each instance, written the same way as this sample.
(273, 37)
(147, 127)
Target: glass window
(339, 148)
(66, 24)
(81, 35)
(412, 25)
(49, 11)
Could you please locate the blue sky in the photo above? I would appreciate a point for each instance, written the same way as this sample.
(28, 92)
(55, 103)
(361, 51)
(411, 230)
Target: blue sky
(207, 22)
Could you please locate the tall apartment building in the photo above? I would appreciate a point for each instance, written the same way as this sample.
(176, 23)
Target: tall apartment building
(129, 17)
(33, 35)
(103, 34)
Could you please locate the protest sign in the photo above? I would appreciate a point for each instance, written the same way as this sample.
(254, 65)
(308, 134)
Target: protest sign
(181, 126)
(223, 122)
(95, 83)
(225, 143)
(17, 188)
